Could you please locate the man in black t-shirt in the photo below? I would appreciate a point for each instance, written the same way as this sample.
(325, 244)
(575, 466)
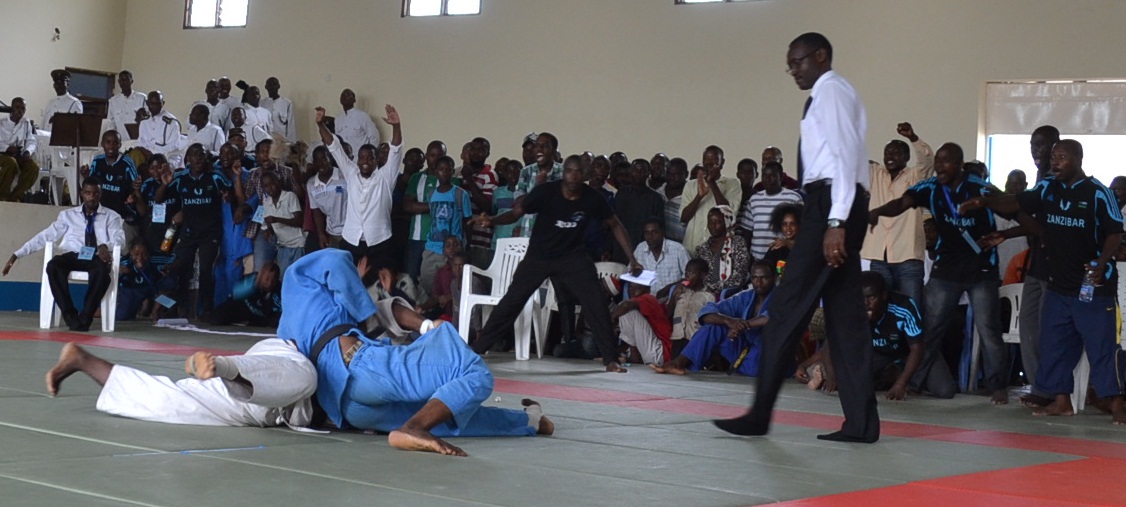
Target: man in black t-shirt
(556, 250)
(960, 265)
(1082, 228)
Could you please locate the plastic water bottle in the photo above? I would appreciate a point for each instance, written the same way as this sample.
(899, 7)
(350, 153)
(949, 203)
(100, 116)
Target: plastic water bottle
(1087, 290)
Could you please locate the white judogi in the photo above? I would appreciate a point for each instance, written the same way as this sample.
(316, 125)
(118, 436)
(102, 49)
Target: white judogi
(160, 136)
(281, 379)
(257, 116)
(65, 103)
(281, 117)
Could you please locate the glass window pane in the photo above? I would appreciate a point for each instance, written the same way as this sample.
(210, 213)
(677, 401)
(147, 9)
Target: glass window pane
(203, 13)
(424, 8)
(455, 7)
(1101, 156)
(233, 12)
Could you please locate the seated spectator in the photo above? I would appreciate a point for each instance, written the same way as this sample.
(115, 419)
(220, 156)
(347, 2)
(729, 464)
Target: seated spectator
(440, 297)
(732, 328)
(202, 131)
(644, 325)
(686, 299)
(139, 283)
(725, 252)
(160, 132)
(658, 254)
(282, 219)
(897, 340)
(658, 168)
(773, 154)
(86, 236)
(256, 301)
(17, 150)
(763, 203)
(746, 172)
(457, 266)
(254, 134)
(785, 221)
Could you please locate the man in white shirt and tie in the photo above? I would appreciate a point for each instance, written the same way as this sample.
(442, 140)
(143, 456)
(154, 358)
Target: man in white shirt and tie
(825, 261)
(123, 106)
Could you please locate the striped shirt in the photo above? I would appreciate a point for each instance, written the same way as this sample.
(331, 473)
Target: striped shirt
(757, 218)
(480, 236)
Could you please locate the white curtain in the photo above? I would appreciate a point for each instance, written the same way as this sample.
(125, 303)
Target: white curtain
(1075, 107)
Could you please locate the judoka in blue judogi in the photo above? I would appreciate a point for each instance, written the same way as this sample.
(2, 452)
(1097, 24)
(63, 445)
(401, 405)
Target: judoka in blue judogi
(381, 386)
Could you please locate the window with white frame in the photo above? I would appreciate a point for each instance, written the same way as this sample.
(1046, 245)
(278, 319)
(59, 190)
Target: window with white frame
(440, 7)
(1092, 112)
(215, 13)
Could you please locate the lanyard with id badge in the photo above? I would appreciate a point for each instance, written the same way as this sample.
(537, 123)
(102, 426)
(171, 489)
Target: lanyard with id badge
(958, 220)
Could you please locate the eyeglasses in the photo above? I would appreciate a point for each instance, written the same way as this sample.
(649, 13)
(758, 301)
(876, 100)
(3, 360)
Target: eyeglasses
(793, 63)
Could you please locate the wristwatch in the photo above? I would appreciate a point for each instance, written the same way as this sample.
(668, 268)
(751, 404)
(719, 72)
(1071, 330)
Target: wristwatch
(835, 223)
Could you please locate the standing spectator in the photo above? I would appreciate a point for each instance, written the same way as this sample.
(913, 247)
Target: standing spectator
(217, 111)
(774, 154)
(354, 126)
(120, 183)
(328, 198)
(1081, 241)
(449, 207)
(480, 180)
(283, 219)
(636, 204)
(367, 223)
(281, 110)
(702, 194)
(825, 261)
(658, 168)
(762, 204)
(123, 106)
(503, 199)
(895, 247)
(677, 175)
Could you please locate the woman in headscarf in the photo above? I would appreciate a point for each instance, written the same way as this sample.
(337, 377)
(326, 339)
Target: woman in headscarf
(725, 252)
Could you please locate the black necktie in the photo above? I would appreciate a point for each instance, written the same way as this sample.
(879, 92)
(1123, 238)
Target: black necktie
(91, 238)
(801, 168)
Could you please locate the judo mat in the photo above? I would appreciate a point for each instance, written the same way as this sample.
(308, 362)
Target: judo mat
(621, 439)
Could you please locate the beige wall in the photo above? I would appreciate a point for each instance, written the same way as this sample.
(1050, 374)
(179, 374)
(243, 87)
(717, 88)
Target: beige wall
(92, 35)
(637, 75)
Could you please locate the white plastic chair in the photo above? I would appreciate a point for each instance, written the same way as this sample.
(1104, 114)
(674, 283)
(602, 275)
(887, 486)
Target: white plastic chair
(547, 303)
(1012, 293)
(47, 306)
(509, 253)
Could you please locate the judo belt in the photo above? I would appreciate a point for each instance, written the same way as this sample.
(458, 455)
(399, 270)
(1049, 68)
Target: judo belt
(333, 332)
(739, 360)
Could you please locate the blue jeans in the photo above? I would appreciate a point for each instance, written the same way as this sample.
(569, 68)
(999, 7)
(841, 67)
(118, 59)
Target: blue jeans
(265, 250)
(905, 277)
(412, 259)
(941, 300)
(287, 256)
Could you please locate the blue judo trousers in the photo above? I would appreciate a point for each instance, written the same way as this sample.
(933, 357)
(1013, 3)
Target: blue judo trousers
(385, 384)
(712, 337)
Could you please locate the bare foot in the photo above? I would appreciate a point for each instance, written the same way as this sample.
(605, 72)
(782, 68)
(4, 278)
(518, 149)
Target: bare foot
(1117, 410)
(615, 368)
(70, 361)
(1034, 401)
(547, 428)
(1000, 397)
(200, 365)
(668, 368)
(408, 439)
(1061, 406)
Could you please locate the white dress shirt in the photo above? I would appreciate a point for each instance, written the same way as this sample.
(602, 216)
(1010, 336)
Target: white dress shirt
(217, 114)
(356, 128)
(832, 141)
(158, 136)
(70, 228)
(231, 102)
(281, 117)
(257, 116)
(123, 110)
(65, 103)
(368, 216)
(19, 134)
(210, 136)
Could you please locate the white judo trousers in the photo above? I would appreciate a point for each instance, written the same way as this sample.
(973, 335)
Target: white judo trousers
(281, 383)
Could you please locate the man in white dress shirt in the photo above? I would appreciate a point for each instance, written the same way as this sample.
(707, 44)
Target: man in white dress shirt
(255, 115)
(202, 131)
(355, 127)
(217, 111)
(160, 132)
(367, 219)
(281, 111)
(17, 150)
(123, 106)
(63, 102)
(227, 99)
(825, 261)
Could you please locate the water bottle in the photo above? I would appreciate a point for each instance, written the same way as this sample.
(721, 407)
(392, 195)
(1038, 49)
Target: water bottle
(1087, 290)
(169, 238)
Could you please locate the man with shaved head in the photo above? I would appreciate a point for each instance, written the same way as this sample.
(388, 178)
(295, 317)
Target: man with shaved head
(354, 126)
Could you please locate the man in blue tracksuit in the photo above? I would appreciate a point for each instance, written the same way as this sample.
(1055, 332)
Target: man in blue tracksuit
(420, 392)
